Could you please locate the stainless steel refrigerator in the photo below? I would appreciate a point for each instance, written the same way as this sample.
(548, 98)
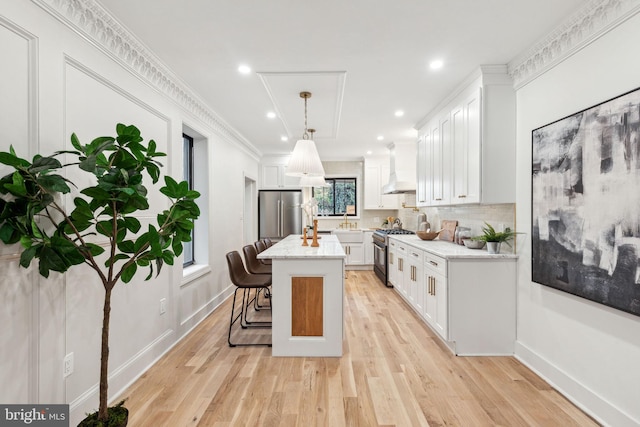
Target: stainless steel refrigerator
(279, 213)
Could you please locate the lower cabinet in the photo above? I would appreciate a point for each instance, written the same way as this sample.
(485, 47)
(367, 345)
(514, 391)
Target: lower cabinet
(470, 302)
(435, 309)
(355, 253)
(367, 240)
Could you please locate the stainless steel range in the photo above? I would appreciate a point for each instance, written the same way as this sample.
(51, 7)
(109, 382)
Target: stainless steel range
(380, 252)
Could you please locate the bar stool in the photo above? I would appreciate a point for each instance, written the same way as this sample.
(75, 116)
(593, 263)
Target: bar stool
(267, 241)
(254, 266)
(261, 247)
(245, 282)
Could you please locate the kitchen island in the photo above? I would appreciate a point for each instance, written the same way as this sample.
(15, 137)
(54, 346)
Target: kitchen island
(308, 293)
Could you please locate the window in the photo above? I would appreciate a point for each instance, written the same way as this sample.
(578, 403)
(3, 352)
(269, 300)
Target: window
(336, 196)
(188, 176)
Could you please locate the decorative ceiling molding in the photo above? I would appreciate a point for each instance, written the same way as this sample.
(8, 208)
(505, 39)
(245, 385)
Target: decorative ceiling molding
(591, 22)
(95, 24)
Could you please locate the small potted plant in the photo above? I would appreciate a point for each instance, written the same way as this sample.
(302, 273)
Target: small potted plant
(494, 238)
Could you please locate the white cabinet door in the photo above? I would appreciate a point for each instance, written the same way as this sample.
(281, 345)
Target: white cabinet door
(354, 252)
(414, 279)
(436, 298)
(376, 174)
(473, 118)
(401, 264)
(423, 171)
(274, 175)
(367, 240)
(441, 161)
(392, 263)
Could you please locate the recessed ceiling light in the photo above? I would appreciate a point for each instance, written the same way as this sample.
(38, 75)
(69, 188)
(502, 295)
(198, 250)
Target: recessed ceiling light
(436, 64)
(399, 113)
(244, 69)
(284, 138)
(369, 152)
(271, 115)
(380, 138)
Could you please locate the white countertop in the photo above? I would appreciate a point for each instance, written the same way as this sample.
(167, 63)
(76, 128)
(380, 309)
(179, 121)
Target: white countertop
(447, 249)
(291, 248)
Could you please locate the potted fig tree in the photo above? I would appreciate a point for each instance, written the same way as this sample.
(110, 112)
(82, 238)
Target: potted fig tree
(33, 212)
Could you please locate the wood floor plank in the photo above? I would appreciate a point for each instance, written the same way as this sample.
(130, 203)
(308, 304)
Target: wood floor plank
(394, 372)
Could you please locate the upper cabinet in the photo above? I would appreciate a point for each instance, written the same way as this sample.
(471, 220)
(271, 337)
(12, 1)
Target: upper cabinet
(273, 174)
(376, 174)
(466, 147)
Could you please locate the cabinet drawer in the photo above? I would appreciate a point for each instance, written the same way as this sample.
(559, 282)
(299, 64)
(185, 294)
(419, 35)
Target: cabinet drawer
(414, 255)
(435, 263)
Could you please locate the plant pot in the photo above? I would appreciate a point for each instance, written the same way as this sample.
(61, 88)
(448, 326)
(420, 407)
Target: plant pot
(118, 417)
(493, 247)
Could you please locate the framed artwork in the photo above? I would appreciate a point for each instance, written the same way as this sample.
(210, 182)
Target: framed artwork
(585, 206)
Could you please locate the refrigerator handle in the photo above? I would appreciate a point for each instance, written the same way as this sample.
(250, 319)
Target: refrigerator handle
(279, 218)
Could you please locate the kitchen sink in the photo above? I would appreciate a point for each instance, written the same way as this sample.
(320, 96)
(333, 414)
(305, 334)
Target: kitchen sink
(346, 235)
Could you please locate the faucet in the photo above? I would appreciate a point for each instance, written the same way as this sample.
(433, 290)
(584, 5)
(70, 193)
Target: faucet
(345, 223)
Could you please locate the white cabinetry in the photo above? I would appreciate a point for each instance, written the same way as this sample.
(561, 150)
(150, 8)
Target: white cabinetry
(435, 310)
(367, 241)
(273, 173)
(352, 242)
(469, 143)
(468, 299)
(414, 281)
(376, 174)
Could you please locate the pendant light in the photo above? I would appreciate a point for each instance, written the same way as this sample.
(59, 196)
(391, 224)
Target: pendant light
(313, 180)
(305, 160)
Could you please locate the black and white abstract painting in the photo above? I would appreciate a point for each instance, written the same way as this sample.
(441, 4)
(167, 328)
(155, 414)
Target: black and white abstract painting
(586, 203)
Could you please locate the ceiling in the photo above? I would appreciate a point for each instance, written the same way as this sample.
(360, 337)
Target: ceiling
(362, 60)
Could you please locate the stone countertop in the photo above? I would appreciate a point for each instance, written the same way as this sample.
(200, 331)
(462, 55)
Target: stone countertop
(448, 250)
(291, 248)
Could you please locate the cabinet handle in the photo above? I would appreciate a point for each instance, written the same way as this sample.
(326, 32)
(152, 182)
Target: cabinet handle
(429, 290)
(434, 287)
(433, 263)
(462, 196)
(421, 201)
(438, 200)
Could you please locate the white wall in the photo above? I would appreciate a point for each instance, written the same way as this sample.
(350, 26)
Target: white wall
(59, 83)
(587, 350)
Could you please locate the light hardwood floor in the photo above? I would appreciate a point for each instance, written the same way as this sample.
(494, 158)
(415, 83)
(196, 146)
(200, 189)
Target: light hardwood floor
(394, 372)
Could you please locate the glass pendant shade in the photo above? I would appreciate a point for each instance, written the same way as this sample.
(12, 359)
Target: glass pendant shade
(305, 160)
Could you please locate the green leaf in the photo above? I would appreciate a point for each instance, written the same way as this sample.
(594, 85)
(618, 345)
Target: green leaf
(88, 164)
(141, 242)
(126, 246)
(76, 142)
(115, 259)
(176, 245)
(54, 183)
(10, 159)
(150, 272)
(105, 228)
(94, 249)
(129, 272)
(8, 234)
(43, 164)
(27, 255)
(96, 193)
(167, 257)
(171, 188)
(132, 224)
(35, 230)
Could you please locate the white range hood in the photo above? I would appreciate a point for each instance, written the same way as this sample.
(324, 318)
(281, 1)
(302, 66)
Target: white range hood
(403, 179)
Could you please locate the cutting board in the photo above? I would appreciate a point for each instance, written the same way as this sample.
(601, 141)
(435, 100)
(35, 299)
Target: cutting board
(448, 229)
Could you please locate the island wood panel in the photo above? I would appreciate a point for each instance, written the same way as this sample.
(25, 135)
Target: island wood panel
(306, 306)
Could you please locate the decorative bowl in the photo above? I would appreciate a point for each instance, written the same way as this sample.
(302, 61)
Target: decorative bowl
(473, 244)
(427, 235)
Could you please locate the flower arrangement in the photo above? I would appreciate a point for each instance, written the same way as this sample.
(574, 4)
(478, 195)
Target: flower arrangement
(310, 208)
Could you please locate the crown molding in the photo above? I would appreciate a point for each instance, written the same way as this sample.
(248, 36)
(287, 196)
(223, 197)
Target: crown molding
(592, 21)
(92, 22)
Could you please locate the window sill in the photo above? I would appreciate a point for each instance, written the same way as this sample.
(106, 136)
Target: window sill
(193, 272)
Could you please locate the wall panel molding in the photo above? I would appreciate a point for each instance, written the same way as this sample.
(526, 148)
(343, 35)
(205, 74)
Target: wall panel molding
(591, 22)
(96, 25)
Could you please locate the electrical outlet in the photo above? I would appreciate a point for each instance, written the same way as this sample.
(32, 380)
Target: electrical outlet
(163, 306)
(67, 366)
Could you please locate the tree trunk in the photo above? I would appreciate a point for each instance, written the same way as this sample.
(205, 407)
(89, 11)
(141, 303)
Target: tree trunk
(103, 413)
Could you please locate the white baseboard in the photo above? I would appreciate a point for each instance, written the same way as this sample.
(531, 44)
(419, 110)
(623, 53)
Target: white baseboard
(586, 399)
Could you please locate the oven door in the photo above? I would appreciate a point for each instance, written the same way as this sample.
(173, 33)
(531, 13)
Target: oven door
(380, 260)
